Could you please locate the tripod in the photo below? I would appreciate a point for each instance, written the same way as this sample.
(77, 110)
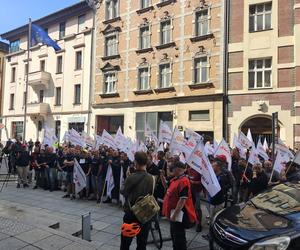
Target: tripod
(7, 175)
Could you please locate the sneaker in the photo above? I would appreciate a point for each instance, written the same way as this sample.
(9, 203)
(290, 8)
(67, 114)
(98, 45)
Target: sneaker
(108, 200)
(206, 237)
(18, 185)
(25, 185)
(66, 196)
(35, 187)
(73, 197)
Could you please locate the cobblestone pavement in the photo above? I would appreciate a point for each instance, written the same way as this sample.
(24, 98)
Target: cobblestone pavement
(26, 214)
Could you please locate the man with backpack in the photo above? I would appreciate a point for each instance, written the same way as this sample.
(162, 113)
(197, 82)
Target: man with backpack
(138, 185)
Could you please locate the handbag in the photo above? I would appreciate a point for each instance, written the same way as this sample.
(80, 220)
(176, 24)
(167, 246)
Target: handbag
(146, 207)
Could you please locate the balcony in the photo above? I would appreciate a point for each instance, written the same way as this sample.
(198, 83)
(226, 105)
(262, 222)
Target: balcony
(38, 109)
(39, 78)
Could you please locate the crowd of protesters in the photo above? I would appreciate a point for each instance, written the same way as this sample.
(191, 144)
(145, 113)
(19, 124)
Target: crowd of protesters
(177, 187)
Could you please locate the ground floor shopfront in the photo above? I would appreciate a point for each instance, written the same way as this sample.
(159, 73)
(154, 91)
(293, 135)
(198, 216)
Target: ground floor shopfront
(35, 125)
(202, 116)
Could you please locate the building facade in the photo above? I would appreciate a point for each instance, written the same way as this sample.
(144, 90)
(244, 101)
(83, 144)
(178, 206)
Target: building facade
(264, 72)
(3, 52)
(59, 82)
(159, 60)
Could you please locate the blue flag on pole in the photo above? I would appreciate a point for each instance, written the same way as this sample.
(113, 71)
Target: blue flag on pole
(38, 35)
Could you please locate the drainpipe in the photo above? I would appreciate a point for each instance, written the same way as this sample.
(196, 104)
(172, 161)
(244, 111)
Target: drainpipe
(225, 74)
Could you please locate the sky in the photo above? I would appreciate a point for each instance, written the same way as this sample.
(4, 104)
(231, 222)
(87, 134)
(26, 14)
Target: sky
(15, 13)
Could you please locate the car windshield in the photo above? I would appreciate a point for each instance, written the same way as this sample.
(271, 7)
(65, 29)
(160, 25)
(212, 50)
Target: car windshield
(282, 199)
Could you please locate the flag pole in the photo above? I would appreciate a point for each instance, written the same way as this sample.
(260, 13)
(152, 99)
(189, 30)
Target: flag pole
(27, 78)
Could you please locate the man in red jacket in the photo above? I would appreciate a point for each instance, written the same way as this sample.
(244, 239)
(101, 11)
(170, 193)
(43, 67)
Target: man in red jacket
(178, 206)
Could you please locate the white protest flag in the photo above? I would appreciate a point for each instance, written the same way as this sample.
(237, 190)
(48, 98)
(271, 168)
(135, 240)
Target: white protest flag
(121, 197)
(108, 140)
(249, 136)
(87, 139)
(109, 179)
(75, 138)
(142, 147)
(241, 149)
(161, 147)
(177, 141)
(279, 163)
(49, 137)
(209, 149)
(165, 133)
(244, 141)
(149, 133)
(261, 151)
(98, 141)
(223, 149)
(253, 157)
(297, 157)
(79, 178)
(265, 145)
(188, 147)
(286, 154)
(215, 145)
(66, 137)
(120, 139)
(182, 158)
(199, 162)
(189, 133)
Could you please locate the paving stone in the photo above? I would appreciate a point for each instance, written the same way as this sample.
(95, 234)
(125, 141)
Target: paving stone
(53, 243)
(33, 235)
(11, 243)
(30, 247)
(77, 246)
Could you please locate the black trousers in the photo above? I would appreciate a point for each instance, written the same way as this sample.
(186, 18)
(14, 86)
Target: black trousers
(141, 238)
(178, 235)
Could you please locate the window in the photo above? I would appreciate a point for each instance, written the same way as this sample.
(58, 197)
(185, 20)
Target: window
(13, 74)
(78, 61)
(260, 73)
(199, 115)
(260, 16)
(62, 30)
(41, 96)
(58, 96)
(165, 32)
(143, 78)
(145, 37)
(17, 130)
(111, 9)
(78, 126)
(111, 45)
(164, 75)
(59, 65)
(26, 68)
(81, 23)
(77, 92)
(14, 46)
(42, 65)
(152, 119)
(201, 70)
(12, 102)
(57, 129)
(110, 83)
(202, 23)
(145, 3)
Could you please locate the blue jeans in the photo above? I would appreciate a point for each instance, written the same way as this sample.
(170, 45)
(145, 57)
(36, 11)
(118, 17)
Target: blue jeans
(51, 178)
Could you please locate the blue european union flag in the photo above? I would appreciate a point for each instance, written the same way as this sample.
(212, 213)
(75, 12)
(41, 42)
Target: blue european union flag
(38, 35)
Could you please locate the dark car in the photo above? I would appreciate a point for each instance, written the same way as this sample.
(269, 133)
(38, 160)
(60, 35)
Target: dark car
(269, 221)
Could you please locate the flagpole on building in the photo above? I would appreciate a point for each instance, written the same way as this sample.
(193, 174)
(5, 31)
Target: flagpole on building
(27, 78)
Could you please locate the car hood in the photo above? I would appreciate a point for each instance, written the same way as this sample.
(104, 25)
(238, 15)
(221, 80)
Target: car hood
(251, 223)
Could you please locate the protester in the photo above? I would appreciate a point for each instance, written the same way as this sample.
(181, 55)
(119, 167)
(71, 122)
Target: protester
(178, 206)
(137, 185)
(259, 180)
(50, 168)
(22, 163)
(68, 166)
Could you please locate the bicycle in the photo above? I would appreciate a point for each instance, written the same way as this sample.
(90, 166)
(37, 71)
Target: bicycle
(156, 233)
